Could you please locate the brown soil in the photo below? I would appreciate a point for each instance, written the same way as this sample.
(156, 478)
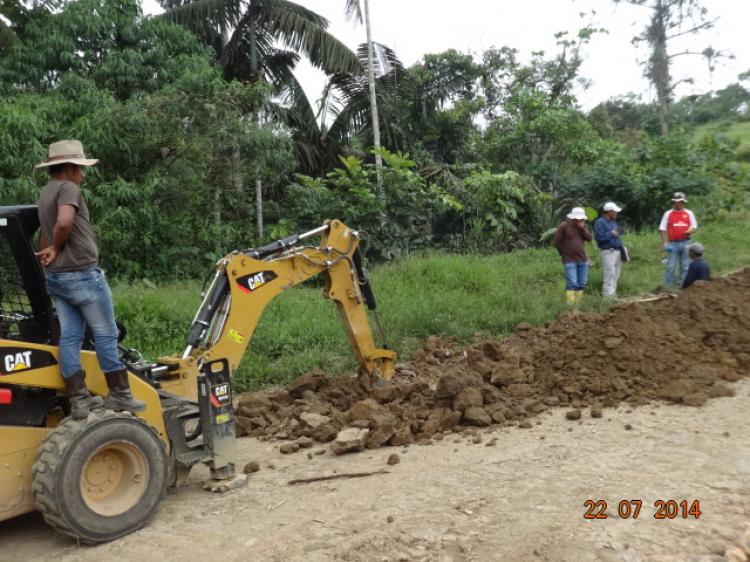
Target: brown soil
(679, 349)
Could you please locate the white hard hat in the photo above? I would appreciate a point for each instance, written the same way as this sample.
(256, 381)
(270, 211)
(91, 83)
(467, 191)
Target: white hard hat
(610, 206)
(577, 214)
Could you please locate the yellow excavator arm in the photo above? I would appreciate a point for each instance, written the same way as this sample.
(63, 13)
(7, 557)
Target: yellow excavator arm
(246, 281)
(243, 284)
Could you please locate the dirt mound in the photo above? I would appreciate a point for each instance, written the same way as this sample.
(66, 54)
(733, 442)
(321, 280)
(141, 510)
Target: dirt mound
(681, 349)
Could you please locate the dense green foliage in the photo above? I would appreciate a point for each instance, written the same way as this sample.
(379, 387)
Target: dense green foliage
(465, 297)
(196, 127)
(145, 98)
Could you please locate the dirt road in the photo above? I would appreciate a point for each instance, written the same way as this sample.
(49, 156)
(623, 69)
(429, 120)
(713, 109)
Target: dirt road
(518, 499)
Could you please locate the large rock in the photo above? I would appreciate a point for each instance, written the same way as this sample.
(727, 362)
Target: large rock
(310, 381)
(476, 415)
(313, 420)
(365, 410)
(382, 429)
(349, 440)
(499, 412)
(434, 420)
(470, 396)
(504, 375)
(449, 420)
(252, 404)
(677, 390)
(455, 380)
(519, 390)
(719, 389)
(403, 436)
(324, 432)
(695, 399)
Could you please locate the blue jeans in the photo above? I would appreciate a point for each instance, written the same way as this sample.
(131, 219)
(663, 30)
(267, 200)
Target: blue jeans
(83, 298)
(677, 252)
(576, 275)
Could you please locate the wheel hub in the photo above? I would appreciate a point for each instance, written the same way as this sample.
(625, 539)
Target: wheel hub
(114, 479)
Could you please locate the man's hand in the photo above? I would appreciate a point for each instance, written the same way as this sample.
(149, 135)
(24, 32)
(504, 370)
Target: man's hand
(47, 255)
(581, 224)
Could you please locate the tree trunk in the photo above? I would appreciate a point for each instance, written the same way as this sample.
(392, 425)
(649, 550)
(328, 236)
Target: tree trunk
(259, 205)
(254, 70)
(217, 206)
(237, 179)
(373, 101)
(658, 68)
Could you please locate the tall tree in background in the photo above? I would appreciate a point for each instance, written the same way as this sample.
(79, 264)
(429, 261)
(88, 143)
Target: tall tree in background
(354, 11)
(670, 19)
(262, 40)
(15, 15)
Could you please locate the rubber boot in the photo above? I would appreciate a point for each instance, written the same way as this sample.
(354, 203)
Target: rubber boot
(81, 402)
(579, 296)
(120, 397)
(570, 298)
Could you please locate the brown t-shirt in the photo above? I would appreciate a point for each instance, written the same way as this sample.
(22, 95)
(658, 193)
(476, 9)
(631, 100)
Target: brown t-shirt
(570, 241)
(80, 251)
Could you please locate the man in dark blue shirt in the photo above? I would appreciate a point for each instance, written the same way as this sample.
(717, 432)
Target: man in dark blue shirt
(699, 269)
(607, 235)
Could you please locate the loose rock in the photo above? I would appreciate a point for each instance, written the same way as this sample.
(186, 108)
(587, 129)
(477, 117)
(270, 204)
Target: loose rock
(349, 440)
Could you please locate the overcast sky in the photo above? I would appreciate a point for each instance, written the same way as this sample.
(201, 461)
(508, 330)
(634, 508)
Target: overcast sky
(416, 27)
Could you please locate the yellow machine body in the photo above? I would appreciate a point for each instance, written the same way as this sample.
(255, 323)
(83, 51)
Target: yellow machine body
(253, 283)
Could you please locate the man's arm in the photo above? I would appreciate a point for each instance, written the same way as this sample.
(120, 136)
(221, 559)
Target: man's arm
(559, 236)
(586, 233)
(599, 230)
(66, 215)
(663, 230)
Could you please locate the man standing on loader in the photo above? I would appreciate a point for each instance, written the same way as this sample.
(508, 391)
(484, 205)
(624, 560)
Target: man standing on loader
(69, 254)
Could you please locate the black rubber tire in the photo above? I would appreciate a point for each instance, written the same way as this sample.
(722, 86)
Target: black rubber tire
(60, 461)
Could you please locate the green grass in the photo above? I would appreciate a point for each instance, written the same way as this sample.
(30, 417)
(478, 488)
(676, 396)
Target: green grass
(734, 130)
(739, 130)
(460, 296)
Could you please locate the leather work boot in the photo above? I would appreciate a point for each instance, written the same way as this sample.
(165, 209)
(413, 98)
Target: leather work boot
(120, 397)
(81, 402)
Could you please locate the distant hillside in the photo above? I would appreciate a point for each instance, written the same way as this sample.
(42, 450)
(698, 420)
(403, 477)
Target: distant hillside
(739, 130)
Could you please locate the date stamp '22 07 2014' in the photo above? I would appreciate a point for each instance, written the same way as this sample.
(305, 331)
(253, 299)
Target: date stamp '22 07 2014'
(631, 509)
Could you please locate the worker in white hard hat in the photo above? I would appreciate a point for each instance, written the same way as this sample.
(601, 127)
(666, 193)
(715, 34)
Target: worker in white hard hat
(570, 240)
(607, 233)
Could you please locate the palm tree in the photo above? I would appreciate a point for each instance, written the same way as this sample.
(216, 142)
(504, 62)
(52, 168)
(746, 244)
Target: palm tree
(354, 11)
(263, 40)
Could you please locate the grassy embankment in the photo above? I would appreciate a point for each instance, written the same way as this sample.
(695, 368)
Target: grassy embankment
(734, 130)
(461, 296)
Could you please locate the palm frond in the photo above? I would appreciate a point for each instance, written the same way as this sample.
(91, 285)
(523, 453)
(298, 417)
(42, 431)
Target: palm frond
(293, 29)
(353, 11)
(203, 17)
(384, 58)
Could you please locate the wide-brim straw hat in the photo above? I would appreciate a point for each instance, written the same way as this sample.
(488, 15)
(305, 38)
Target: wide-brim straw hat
(66, 152)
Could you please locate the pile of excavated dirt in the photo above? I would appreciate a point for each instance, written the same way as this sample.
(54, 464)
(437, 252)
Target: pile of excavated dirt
(683, 350)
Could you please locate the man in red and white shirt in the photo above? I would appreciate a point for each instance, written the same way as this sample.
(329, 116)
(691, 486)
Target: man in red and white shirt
(676, 226)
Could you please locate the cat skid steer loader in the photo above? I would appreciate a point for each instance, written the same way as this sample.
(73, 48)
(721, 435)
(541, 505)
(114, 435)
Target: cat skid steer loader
(102, 477)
